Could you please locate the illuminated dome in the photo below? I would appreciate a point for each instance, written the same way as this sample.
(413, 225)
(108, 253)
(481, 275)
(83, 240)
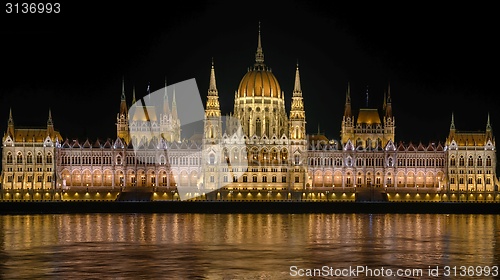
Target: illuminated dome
(259, 81)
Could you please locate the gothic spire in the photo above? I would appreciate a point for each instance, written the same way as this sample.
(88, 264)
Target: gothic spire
(259, 55)
(166, 105)
(123, 102)
(489, 132)
(297, 91)
(133, 95)
(488, 124)
(387, 102)
(452, 125)
(123, 89)
(50, 124)
(297, 111)
(174, 106)
(213, 106)
(10, 124)
(49, 119)
(212, 89)
(11, 120)
(347, 107)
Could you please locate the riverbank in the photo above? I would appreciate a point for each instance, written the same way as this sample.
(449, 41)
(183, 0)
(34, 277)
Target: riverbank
(51, 207)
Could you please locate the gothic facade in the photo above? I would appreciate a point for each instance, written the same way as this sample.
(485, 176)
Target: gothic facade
(258, 147)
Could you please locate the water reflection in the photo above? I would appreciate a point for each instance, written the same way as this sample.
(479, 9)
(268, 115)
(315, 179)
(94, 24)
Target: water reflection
(242, 246)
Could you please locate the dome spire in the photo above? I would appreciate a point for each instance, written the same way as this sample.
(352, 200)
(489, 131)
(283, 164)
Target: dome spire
(259, 55)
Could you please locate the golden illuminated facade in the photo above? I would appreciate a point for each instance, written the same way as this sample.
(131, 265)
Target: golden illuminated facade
(261, 147)
(29, 156)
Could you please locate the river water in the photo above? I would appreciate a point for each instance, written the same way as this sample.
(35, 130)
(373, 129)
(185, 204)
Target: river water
(247, 246)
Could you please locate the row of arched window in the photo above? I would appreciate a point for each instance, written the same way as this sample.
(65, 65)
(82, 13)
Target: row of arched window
(470, 161)
(30, 159)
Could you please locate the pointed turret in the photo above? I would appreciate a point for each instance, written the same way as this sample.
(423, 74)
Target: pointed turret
(133, 95)
(452, 125)
(489, 130)
(10, 124)
(213, 125)
(388, 103)
(297, 113)
(347, 106)
(451, 135)
(123, 102)
(213, 106)
(122, 129)
(347, 127)
(259, 55)
(166, 105)
(212, 89)
(297, 91)
(174, 106)
(50, 125)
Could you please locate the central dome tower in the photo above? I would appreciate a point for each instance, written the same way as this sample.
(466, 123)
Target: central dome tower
(259, 102)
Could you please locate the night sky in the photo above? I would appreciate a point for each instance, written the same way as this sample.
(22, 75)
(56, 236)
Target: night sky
(438, 60)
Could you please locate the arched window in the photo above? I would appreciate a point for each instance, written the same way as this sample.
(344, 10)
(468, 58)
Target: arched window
(258, 127)
(452, 161)
(488, 161)
(211, 159)
(19, 158)
(39, 158)
(479, 161)
(118, 159)
(461, 161)
(29, 158)
(470, 162)
(297, 159)
(49, 158)
(9, 158)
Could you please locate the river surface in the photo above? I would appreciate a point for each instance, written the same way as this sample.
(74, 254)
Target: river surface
(248, 246)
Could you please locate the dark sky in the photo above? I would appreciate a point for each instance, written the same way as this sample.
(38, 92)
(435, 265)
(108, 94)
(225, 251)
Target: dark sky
(437, 59)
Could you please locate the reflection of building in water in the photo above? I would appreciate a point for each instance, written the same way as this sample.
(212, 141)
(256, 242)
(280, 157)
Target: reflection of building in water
(271, 151)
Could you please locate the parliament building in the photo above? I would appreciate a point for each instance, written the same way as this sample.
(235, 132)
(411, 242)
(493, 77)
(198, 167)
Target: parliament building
(268, 153)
